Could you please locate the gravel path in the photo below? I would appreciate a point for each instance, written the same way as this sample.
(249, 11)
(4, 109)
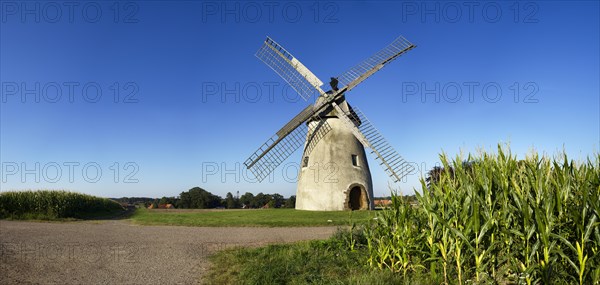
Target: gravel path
(117, 252)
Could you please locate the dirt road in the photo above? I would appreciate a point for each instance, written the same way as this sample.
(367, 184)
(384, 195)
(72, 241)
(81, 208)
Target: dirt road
(117, 252)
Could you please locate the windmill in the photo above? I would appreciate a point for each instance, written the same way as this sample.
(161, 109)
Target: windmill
(334, 173)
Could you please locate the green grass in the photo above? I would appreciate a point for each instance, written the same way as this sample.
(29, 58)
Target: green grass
(249, 218)
(309, 262)
(55, 205)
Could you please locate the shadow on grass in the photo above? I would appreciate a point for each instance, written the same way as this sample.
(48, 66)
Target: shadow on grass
(95, 216)
(121, 215)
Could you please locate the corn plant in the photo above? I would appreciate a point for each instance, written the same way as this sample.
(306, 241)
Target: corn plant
(53, 204)
(395, 246)
(494, 219)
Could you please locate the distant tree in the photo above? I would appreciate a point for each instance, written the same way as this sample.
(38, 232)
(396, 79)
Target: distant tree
(260, 200)
(198, 198)
(278, 200)
(134, 200)
(247, 199)
(163, 201)
(185, 200)
(230, 201)
(290, 202)
(168, 200)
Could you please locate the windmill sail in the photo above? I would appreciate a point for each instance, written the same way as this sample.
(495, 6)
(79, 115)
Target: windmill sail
(368, 67)
(287, 140)
(290, 69)
(393, 164)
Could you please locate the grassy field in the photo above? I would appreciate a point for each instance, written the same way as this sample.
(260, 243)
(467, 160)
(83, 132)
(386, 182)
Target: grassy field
(249, 218)
(332, 261)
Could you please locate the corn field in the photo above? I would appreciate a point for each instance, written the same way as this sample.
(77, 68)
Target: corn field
(496, 220)
(53, 204)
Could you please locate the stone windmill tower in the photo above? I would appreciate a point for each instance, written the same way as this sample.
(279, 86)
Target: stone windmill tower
(334, 173)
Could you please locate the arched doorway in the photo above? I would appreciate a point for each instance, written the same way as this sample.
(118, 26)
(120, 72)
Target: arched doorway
(356, 199)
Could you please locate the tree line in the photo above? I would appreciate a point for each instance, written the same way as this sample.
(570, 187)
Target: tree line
(198, 198)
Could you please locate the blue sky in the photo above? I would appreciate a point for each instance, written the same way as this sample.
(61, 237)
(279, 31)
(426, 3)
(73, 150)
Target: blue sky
(193, 102)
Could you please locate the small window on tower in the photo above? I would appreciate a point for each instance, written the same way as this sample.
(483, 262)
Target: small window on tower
(305, 161)
(354, 160)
